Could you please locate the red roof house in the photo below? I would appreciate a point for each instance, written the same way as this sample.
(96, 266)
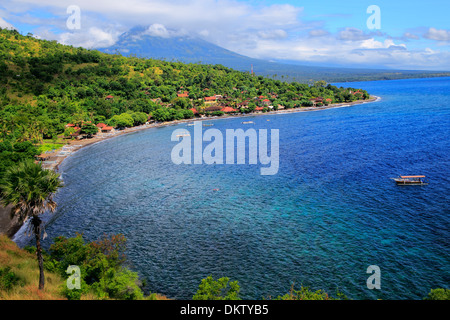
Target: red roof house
(210, 99)
(183, 95)
(228, 109)
(107, 129)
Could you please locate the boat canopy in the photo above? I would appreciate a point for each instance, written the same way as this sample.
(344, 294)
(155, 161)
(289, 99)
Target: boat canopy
(408, 177)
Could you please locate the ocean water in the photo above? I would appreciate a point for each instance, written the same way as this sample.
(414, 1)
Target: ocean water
(329, 213)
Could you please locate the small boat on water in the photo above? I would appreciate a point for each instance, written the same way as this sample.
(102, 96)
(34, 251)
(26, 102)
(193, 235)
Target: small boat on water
(184, 134)
(207, 124)
(410, 180)
(247, 122)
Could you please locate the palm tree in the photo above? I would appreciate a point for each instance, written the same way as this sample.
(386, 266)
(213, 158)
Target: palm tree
(29, 189)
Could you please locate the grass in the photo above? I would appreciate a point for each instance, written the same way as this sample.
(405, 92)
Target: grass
(19, 277)
(49, 147)
(25, 269)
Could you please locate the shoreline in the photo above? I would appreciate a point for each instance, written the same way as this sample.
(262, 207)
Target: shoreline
(10, 226)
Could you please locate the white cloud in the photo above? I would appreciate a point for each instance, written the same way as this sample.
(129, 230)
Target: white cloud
(157, 30)
(439, 35)
(263, 31)
(90, 38)
(353, 34)
(273, 34)
(318, 33)
(409, 35)
(6, 25)
(386, 44)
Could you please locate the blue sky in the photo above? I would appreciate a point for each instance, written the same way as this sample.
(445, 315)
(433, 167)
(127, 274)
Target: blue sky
(413, 34)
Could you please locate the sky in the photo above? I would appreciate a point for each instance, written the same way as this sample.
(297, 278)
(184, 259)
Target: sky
(409, 35)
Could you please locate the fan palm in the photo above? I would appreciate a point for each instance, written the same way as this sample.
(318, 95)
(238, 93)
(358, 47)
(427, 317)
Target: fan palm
(29, 189)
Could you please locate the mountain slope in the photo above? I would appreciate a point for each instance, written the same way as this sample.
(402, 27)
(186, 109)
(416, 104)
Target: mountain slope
(194, 50)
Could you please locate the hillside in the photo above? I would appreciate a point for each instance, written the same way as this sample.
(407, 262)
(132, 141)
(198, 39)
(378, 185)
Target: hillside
(50, 92)
(188, 49)
(19, 275)
(19, 272)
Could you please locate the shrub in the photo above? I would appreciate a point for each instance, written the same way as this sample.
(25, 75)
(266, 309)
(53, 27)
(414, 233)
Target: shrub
(8, 279)
(221, 289)
(123, 285)
(305, 294)
(438, 294)
(100, 264)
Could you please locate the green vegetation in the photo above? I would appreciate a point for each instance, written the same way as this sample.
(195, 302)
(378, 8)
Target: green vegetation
(45, 85)
(8, 279)
(29, 189)
(221, 289)
(306, 294)
(438, 294)
(19, 275)
(101, 266)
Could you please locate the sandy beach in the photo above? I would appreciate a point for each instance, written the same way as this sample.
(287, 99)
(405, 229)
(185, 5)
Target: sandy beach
(10, 226)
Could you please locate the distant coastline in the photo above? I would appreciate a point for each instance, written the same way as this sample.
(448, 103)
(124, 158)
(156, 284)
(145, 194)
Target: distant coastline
(10, 226)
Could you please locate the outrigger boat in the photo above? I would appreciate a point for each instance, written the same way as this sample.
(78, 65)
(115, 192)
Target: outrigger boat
(410, 180)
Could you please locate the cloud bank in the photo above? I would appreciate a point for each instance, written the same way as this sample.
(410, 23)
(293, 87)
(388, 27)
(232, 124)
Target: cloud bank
(276, 31)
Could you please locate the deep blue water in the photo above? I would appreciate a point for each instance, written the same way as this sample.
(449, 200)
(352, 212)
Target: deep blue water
(329, 213)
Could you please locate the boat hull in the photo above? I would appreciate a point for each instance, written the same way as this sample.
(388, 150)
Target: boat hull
(410, 183)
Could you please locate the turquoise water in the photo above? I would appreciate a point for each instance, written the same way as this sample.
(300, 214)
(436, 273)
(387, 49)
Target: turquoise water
(329, 213)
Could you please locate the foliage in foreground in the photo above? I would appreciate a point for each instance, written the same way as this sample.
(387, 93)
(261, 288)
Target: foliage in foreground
(101, 264)
(306, 294)
(29, 189)
(19, 275)
(438, 294)
(221, 289)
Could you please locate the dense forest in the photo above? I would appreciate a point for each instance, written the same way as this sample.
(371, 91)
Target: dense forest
(45, 85)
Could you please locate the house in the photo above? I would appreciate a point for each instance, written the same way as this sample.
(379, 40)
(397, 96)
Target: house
(266, 102)
(110, 97)
(213, 108)
(42, 157)
(183, 95)
(107, 129)
(76, 133)
(100, 125)
(243, 104)
(259, 109)
(316, 101)
(70, 125)
(228, 110)
(194, 111)
(210, 99)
